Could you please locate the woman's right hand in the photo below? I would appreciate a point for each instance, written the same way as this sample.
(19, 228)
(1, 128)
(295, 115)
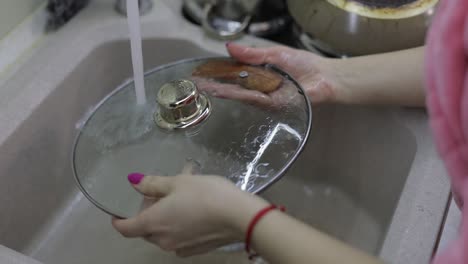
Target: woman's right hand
(190, 214)
(194, 214)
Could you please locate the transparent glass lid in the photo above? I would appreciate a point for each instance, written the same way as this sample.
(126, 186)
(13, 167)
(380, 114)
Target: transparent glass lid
(245, 123)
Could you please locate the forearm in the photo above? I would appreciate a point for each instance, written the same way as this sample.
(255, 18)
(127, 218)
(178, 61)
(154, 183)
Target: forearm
(283, 239)
(279, 238)
(390, 78)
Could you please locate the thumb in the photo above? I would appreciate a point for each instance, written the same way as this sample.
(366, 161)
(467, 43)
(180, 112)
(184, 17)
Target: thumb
(151, 186)
(256, 56)
(131, 227)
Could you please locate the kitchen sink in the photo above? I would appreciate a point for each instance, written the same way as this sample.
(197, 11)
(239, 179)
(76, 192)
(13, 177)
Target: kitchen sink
(369, 176)
(347, 182)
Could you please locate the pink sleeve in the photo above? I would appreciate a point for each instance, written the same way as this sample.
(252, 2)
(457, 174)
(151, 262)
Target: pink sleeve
(447, 99)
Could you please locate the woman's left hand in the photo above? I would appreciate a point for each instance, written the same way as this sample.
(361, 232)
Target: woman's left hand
(286, 94)
(315, 74)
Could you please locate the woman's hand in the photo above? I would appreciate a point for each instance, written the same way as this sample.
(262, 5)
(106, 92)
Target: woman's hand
(190, 214)
(195, 214)
(285, 95)
(384, 79)
(311, 71)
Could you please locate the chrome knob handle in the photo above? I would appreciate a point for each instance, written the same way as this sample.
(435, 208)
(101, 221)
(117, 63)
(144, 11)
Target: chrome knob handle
(181, 105)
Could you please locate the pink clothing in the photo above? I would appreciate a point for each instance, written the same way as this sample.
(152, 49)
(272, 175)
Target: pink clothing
(447, 89)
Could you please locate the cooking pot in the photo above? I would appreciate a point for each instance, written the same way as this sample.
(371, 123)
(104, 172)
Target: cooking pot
(361, 27)
(230, 19)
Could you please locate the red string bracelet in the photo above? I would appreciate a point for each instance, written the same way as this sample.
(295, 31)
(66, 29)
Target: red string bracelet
(253, 223)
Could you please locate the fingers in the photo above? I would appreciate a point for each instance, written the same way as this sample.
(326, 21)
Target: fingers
(257, 56)
(233, 92)
(132, 227)
(148, 202)
(151, 186)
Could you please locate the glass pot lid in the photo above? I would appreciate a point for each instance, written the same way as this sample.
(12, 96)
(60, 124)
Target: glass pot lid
(246, 123)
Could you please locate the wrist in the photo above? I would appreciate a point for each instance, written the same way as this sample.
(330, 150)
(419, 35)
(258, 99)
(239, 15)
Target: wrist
(240, 214)
(328, 85)
(339, 76)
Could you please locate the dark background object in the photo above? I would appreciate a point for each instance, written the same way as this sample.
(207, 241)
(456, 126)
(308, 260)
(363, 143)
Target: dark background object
(61, 11)
(384, 3)
(270, 20)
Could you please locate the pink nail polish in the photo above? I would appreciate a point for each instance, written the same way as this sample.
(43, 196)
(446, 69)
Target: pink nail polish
(135, 178)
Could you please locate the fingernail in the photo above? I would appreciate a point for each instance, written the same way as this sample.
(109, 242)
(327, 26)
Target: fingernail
(135, 178)
(227, 44)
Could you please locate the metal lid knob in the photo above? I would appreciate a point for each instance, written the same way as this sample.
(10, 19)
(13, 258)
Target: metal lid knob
(181, 105)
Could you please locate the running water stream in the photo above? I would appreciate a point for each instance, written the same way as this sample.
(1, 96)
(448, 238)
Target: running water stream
(133, 18)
